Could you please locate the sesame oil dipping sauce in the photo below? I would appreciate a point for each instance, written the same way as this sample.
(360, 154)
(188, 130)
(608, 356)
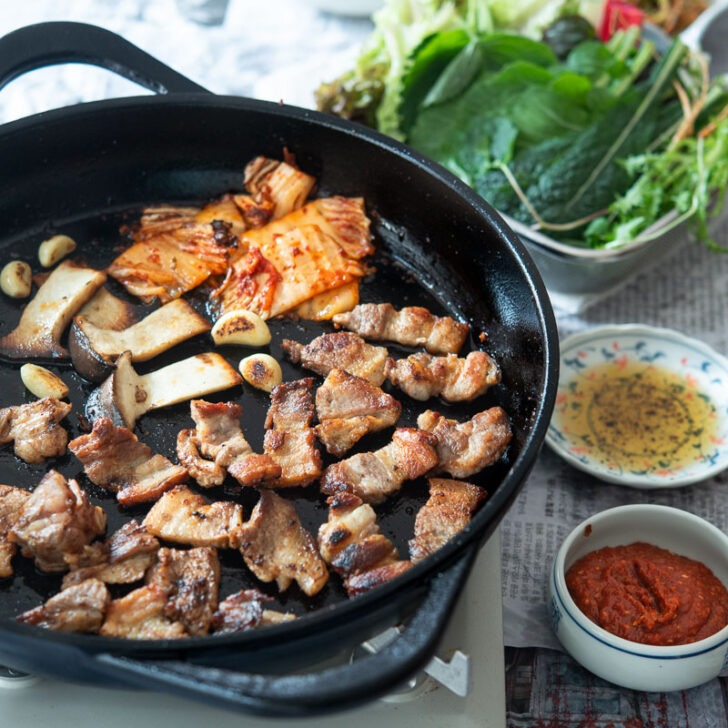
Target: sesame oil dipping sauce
(638, 417)
(641, 406)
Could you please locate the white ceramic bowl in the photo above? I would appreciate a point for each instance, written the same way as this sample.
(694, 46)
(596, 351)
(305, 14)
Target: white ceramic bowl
(703, 370)
(630, 664)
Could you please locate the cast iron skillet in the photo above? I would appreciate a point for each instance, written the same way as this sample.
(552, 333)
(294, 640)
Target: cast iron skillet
(86, 170)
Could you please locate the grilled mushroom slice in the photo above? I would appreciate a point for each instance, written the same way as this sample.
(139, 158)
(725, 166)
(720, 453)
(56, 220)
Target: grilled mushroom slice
(42, 323)
(93, 349)
(125, 395)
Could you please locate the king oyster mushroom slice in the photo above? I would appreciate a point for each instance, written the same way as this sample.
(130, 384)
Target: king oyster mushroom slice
(42, 323)
(125, 395)
(93, 349)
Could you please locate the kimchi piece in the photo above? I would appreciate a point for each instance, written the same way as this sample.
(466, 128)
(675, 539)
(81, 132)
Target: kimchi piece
(172, 254)
(312, 250)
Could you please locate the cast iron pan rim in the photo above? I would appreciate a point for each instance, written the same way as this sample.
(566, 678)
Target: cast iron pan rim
(417, 577)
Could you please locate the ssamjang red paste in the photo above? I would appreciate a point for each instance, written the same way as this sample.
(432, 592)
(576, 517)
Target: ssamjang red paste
(647, 594)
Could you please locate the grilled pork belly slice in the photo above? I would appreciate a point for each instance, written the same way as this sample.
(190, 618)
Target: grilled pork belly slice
(350, 541)
(34, 429)
(290, 441)
(374, 476)
(182, 516)
(217, 446)
(191, 580)
(455, 379)
(80, 608)
(276, 547)
(57, 521)
(11, 505)
(244, 610)
(113, 458)
(341, 350)
(410, 326)
(141, 615)
(466, 448)
(348, 408)
(122, 559)
(447, 511)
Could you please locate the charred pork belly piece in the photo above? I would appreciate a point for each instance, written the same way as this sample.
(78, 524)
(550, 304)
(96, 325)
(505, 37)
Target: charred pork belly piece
(57, 521)
(466, 448)
(244, 610)
(11, 505)
(351, 543)
(80, 608)
(374, 476)
(191, 580)
(141, 615)
(455, 379)
(217, 446)
(123, 558)
(113, 458)
(348, 408)
(341, 350)
(410, 326)
(34, 429)
(182, 516)
(447, 511)
(289, 439)
(276, 547)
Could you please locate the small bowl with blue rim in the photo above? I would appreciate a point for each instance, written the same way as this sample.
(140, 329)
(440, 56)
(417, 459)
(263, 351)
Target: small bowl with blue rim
(641, 406)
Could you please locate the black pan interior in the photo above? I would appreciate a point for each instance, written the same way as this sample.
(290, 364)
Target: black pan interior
(89, 170)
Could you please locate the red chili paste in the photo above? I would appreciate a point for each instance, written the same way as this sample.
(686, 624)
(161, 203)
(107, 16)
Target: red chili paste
(647, 594)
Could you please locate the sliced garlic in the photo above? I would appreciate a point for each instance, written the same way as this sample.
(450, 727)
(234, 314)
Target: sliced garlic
(16, 279)
(43, 383)
(52, 250)
(261, 371)
(241, 327)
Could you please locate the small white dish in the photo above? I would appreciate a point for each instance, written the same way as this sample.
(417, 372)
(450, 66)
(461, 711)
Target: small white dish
(641, 406)
(623, 662)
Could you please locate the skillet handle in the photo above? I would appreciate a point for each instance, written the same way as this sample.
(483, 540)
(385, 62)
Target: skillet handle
(329, 690)
(55, 43)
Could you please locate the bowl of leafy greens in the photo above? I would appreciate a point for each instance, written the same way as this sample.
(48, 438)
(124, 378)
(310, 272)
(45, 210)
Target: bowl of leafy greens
(598, 154)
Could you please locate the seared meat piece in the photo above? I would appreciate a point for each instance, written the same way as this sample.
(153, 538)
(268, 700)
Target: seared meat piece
(364, 582)
(81, 608)
(191, 580)
(34, 429)
(448, 510)
(349, 407)
(244, 610)
(341, 350)
(410, 326)
(217, 445)
(289, 439)
(11, 505)
(276, 547)
(466, 448)
(141, 615)
(351, 542)
(185, 517)
(374, 476)
(422, 376)
(56, 521)
(123, 559)
(114, 459)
